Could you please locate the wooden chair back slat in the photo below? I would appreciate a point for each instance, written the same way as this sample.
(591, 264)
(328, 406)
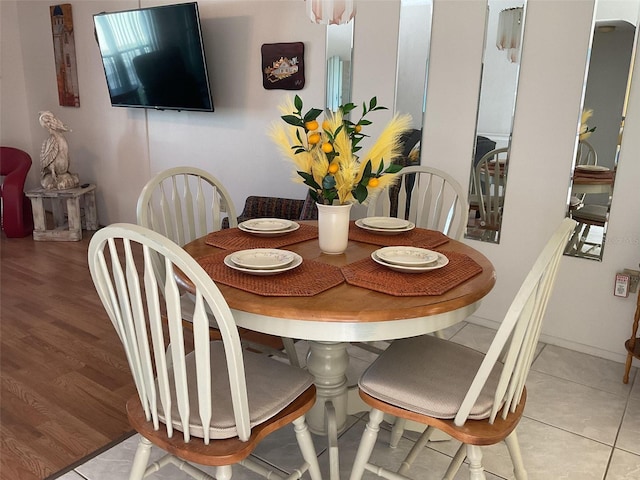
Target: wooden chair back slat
(517, 337)
(135, 303)
(426, 196)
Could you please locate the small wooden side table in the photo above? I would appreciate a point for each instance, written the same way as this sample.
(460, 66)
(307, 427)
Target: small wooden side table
(71, 230)
(633, 344)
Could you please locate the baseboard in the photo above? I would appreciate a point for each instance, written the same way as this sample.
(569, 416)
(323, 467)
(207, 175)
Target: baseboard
(561, 342)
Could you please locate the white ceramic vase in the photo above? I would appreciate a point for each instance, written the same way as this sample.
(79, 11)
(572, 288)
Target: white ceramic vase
(333, 228)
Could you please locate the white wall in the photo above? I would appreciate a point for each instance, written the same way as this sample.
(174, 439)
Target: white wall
(120, 148)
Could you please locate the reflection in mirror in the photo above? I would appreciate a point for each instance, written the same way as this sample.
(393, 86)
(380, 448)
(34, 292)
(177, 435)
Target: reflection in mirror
(414, 40)
(608, 79)
(498, 87)
(339, 51)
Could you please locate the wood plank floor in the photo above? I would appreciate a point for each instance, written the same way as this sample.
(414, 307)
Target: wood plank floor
(64, 379)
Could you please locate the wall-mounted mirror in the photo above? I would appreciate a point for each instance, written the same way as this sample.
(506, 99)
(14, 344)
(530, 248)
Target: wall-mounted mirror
(607, 83)
(339, 53)
(414, 43)
(414, 39)
(498, 88)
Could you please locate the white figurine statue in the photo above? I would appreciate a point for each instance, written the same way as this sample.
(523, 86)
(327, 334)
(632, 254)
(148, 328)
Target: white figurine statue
(54, 157)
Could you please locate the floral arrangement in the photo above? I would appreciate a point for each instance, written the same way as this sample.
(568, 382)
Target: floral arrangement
(585, 131)
(325, 154)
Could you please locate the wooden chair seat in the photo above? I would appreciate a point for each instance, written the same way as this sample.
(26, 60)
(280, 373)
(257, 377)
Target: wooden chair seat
(220, 452)
(473, 432)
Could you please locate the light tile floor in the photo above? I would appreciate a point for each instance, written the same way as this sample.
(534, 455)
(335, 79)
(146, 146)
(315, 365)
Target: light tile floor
(581, 422)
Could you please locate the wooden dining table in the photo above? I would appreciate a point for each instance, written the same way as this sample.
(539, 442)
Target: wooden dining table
(377, 305)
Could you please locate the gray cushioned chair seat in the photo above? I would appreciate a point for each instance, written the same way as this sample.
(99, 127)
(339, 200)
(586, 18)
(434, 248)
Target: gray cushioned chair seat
(430, 376)
(271, 386)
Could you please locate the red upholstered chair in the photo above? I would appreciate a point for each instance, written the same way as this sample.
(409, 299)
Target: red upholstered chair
(17, 220)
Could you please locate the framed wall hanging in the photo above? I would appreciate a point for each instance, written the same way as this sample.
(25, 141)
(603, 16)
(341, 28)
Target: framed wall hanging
(283, 66)
(64, 49)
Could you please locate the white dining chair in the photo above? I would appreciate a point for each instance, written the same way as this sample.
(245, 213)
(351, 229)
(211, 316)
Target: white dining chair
(185, 203)
(585, 155)
(475, 398)
(426, 196)
(204, 402)
(490, 181)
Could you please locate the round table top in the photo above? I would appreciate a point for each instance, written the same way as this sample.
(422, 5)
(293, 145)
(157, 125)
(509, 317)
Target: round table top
(351, 304)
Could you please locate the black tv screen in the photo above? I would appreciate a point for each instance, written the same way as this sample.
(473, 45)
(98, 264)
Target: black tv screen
(154, 58)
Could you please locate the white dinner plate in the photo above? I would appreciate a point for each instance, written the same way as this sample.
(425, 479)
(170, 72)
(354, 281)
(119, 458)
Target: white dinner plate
(267, 224)
(408, 256)
(439, 263)
(385, 231)
(593, 168)
(297, 261)
(262, 258)
(270, 233)
(387, 223)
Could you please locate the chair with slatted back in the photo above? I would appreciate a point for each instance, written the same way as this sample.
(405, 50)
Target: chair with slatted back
(490, 181)
(185, 203)
(204, 402)
(585, 156)
(478, 399)
(426, 196)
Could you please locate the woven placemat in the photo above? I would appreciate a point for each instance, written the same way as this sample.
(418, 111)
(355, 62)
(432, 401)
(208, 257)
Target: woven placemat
(310, 278)
(234, 239)
(418, 237)
(368, 274)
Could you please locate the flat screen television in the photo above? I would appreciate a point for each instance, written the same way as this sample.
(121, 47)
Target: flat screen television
(154, 58)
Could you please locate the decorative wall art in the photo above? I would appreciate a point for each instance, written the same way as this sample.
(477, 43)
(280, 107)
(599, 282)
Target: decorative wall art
(64, 49)
(283, 66)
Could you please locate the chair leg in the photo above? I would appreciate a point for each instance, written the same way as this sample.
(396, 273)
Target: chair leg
(306, 447)
(456, 463)
(516, 457)
(223, 472)
(415, 450)
(290, 350)
(140, 460)
(367, 443)
(396, 432)
(476, 471)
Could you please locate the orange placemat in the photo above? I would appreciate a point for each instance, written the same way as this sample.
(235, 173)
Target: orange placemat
(418, 237)
(234, 239)
(368, 274)
(309, 279)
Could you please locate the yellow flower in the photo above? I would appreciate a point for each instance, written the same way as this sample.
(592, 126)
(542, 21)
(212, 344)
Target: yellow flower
(585, 131)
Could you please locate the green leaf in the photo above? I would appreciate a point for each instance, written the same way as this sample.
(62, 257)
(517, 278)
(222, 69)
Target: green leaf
(309, 180)
(293, 120)
(338, 130)
(315, 196)
(347, 108)
(299, 150)
(298, 136)
(393, 168)
(373, 102)
(365, 122)
(312, 114)
(380, 168)
(367, 170)
(297, 102)
(360, 193)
